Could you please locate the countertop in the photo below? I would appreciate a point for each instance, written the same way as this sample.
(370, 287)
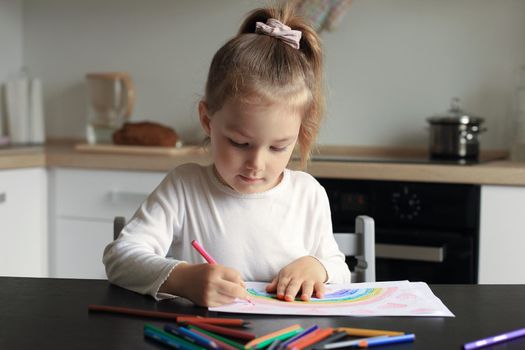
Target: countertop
(488, 172)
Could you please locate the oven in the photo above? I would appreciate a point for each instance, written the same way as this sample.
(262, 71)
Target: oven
(424, 231)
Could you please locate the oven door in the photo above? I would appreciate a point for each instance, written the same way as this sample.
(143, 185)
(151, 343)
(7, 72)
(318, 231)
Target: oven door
(432, 257)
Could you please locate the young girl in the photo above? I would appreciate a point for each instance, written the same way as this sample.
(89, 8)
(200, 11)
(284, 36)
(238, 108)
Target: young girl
(259, 220)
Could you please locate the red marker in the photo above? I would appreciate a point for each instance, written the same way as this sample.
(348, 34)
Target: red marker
(203, 252)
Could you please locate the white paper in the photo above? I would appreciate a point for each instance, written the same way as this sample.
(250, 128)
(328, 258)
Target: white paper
(396, 298)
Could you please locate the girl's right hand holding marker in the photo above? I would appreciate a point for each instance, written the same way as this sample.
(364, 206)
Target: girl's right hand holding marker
(205, 284)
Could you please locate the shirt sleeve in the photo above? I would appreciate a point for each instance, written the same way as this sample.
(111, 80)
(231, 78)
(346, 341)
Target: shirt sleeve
(327, 251)
(136, 260)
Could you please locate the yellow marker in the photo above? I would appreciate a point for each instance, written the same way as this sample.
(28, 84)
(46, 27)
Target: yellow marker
(361, 332)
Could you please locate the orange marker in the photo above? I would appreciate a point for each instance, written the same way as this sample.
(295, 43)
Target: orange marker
(310, 339)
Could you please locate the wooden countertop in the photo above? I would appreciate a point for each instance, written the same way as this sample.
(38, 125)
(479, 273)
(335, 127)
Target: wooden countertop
(497, 172)
(22, 157)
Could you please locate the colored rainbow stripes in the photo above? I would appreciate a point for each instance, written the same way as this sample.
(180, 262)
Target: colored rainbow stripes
(338, 297)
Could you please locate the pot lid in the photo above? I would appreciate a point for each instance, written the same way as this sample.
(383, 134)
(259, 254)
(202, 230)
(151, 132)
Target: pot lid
(455, 115)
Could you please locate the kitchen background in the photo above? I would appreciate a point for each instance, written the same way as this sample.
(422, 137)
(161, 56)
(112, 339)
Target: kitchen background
(389, 63)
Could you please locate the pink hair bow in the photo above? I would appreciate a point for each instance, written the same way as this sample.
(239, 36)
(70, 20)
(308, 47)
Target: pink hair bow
(280, 31)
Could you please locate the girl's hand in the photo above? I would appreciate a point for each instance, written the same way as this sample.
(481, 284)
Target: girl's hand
(305, 274)
(205, 284)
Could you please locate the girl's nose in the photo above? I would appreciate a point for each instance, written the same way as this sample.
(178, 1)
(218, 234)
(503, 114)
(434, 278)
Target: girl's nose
(255, 160)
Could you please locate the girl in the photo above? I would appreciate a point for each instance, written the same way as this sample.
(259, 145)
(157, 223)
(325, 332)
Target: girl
(258, 219)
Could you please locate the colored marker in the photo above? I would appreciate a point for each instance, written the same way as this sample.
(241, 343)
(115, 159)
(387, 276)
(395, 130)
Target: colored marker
(203, 252)
(275, 344)
(311, 339)
(280, 337)
(348, 343)
(331, 339)
(219, 342)
(224, 330)
(234, 322)
(191, 336)
(161, 339)
(169, 339)
(494, 339)
(406, 338)
(362, 332)
(134, 312)
(230, 342)
(209, 258)
(272, 335)
(302, 334)
(167, 315)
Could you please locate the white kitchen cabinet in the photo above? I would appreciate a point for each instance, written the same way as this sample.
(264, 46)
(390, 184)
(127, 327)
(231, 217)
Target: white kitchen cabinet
(23, 222)
(502, 235)
(82, 207)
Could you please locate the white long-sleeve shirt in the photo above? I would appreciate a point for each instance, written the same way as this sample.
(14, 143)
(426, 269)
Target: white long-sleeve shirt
(257, 234)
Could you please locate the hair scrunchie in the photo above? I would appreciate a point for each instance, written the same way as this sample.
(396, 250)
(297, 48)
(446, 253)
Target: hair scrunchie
(277, 29)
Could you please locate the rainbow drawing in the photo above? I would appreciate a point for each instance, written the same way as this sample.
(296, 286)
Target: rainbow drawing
(336, 298)
(393, 298)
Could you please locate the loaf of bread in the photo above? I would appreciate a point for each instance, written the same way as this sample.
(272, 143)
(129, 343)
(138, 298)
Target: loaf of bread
(145, 134)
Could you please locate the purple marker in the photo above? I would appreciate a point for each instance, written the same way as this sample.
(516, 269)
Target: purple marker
(285, 344)
(494, 340)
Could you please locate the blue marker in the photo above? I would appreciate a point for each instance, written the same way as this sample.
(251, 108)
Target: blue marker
(406, 338)
(192, 336)
(160, 336)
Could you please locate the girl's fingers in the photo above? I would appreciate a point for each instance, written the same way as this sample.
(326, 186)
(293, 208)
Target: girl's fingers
(272, 287)
(220, 299)
(232, 290)
(307, 290)
(292, 289)
(233, 276)
(282, 286)
(319, 289)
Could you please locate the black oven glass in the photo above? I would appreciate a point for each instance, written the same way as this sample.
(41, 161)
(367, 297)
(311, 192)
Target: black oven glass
(424, 231)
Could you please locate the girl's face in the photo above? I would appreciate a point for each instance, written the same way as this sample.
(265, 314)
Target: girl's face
(251, 144)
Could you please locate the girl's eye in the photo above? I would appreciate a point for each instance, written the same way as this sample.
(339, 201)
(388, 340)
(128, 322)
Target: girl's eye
(278, 149)
(239, 145)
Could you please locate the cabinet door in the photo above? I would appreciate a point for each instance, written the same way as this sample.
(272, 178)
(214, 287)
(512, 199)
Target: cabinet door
(101, 194)
(84, 203)
(23, 223)
(78, 248)
(502, 235)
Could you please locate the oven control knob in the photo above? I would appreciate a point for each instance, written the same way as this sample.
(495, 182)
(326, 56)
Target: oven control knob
(406, 204)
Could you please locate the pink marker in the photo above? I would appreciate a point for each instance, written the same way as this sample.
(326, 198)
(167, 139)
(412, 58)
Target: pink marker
(209, 259)
(203, 252)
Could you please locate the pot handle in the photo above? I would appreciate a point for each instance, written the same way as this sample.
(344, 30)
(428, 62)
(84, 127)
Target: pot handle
(477, 129)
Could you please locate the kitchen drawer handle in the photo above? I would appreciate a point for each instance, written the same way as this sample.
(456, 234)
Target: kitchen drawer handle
(2, 197)
(118, 196)
(410, 252)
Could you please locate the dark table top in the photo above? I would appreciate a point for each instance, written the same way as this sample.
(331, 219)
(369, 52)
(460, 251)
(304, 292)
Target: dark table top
(52, 314)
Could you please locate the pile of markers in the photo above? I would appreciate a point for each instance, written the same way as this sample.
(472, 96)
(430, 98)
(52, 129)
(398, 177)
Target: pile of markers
(201, 333)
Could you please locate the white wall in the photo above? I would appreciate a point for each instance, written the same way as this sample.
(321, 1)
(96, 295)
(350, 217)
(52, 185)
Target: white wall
(10, 46)
(390, 64)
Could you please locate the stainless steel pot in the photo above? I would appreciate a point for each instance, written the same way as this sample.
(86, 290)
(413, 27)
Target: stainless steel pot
(454, 135)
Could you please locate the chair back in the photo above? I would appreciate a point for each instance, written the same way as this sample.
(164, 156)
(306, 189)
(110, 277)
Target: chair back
(118, 224)
(360, 245)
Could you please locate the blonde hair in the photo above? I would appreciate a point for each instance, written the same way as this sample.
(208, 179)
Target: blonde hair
(259, 66)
